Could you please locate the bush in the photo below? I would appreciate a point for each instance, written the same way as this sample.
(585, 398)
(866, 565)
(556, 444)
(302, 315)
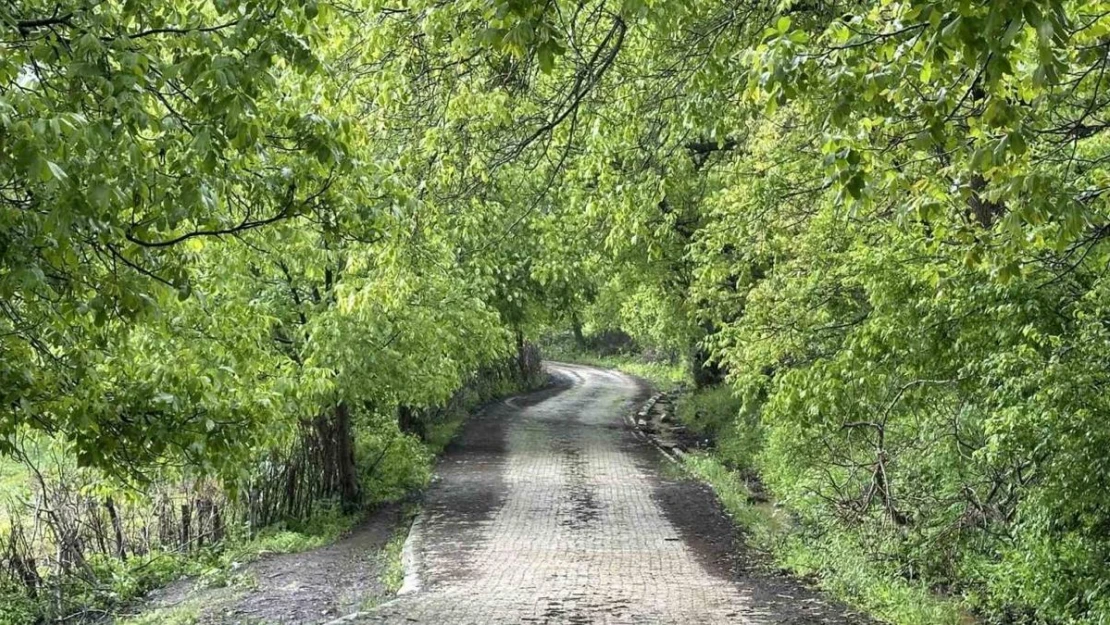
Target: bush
(391, 463)
(16, 607)
(710, 411)
(716, 414)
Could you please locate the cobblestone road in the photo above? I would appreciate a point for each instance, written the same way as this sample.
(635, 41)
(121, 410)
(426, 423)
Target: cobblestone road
(547, 510)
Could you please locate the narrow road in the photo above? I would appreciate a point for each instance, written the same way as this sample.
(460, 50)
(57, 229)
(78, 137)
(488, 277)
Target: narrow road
(548, 510)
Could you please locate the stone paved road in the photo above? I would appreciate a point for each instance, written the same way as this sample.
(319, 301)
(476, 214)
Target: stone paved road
(549, 510)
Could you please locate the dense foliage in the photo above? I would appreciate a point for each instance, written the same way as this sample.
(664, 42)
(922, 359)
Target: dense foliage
(886, 222)
(228, 225)
(220, 284)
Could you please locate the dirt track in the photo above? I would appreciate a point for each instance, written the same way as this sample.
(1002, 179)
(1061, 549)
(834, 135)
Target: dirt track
(314, 586)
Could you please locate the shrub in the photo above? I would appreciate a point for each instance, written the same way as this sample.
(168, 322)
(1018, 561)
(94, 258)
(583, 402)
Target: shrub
(390, 463)
(16, 606)
(718, 415)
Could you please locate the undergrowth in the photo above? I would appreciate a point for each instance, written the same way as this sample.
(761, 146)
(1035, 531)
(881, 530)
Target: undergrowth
(843, 567)
(392, 465)
(188, 614)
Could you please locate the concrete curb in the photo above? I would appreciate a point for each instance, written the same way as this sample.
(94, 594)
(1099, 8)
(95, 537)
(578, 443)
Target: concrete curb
(409, 560)
(346, 619)
(674, 455)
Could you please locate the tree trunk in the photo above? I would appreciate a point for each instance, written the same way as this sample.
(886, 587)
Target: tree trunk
(576, 327)
(409, 421)
(984, 211)
(117, 528)
(217, 524)
(521, 355)
(165, 523)
(186, 517)
(346, 470)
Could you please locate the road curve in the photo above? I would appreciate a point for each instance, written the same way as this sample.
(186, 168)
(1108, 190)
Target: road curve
(548, 510)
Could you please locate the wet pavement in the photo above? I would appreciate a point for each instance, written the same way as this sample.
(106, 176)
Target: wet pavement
(548, 510)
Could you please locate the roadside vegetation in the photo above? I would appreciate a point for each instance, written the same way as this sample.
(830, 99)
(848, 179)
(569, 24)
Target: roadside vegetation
(215, 534)
(393, 569)
(729, 459)
(254, 255)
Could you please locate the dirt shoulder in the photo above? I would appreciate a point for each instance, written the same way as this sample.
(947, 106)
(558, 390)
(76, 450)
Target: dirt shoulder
(313, 586)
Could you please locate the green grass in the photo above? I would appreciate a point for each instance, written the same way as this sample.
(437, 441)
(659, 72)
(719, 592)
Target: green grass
(765, 525)
(716, 414)
(325, 525)
(13, 475)
(849, 573)
(16, 479)
(393, 569)
(843, 568)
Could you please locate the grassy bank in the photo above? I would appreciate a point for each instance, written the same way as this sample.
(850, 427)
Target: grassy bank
(836, 561)
(848, 565)
(219, 568)
(393, 569)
